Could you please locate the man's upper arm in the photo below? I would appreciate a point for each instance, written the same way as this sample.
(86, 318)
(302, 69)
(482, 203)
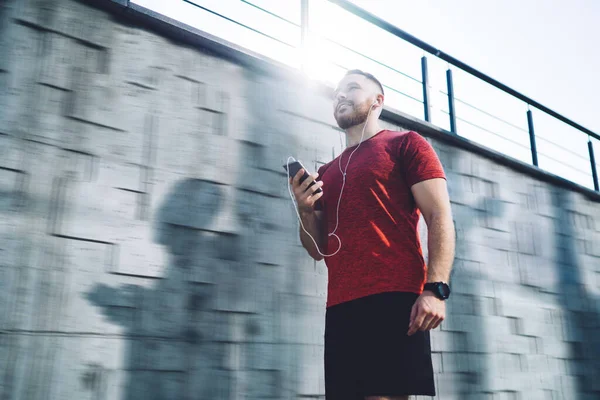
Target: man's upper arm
(431, 197)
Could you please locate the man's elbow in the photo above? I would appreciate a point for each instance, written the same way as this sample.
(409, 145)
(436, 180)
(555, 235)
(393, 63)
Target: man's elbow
(437, 215)
(316, 256)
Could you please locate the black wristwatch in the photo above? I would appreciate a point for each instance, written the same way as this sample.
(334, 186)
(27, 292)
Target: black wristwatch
(440, 289)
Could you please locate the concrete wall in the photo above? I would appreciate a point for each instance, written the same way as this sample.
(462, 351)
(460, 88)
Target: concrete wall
(149, 250)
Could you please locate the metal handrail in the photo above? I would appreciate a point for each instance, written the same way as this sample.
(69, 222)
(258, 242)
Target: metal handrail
(367, 16)
(386, 26)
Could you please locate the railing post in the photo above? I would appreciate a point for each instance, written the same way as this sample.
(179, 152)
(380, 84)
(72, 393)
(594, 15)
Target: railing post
(425, 80)
(451, 109)
(593, 162)
(534, 157)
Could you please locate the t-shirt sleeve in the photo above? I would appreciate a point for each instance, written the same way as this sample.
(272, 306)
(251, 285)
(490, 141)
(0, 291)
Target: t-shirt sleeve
(419, 160)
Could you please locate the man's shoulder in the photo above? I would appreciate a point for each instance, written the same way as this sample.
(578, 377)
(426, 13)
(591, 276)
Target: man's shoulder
(407, 140)
(402, 135)
(324, 167)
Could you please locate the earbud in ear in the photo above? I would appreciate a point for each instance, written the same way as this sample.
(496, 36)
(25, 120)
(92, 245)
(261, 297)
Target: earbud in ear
(374, 103)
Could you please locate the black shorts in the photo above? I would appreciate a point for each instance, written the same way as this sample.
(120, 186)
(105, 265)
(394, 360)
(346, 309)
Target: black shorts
(368, 353)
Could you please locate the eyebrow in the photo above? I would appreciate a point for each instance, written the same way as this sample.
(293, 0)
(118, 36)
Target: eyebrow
(349, 84)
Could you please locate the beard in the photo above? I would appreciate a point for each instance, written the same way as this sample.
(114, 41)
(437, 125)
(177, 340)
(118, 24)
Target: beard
(356, 116)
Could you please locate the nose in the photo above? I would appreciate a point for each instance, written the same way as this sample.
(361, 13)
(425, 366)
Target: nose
(338, 99)
(340, 96)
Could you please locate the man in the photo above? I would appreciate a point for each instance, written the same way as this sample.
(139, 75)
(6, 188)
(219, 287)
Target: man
(382, 300)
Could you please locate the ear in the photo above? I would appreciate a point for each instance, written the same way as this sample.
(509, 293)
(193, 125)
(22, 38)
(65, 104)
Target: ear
(378, 102)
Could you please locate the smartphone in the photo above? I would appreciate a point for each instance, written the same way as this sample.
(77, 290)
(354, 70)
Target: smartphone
(293, 168)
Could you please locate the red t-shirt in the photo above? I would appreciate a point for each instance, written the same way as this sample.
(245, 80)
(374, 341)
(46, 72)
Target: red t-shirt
(378, 217)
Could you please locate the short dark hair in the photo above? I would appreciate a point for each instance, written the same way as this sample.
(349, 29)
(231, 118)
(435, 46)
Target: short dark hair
(366, 75)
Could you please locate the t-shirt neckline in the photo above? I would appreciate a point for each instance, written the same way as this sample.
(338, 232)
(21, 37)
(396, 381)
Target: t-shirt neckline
(365, 141)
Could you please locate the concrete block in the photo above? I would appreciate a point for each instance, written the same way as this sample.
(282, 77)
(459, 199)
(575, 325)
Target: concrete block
(591, 244)
(461, 304)
(93, 100)
(461, 284)
(308, 283)
(19, 61)
(31, 361)
(86, 367)
(118, 175)
(11, 152)
(524, 238)
(95, 302)
(443, 341)
(514, 344)
(167, 385)
(211, 383)
(535, 363)
(263, 384)
(303, 319)
(536, 272)
(263, 356)
(12, 185)
(501, 268)
(278, 248)
(569, 386)
(163, 355)
(228, 326)
(106, 208)
(308, 369)
(461, 192)
(543, 195)
(462, 323)
(553, 347)
(67, 17)
(108, 143)
(61, 54)
(453, 383)
(242, 294)
(44, 120)
(34, 255)
(8, 282)
(163, 308)
(465, 362)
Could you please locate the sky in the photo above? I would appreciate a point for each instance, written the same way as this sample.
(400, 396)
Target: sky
(544, 49)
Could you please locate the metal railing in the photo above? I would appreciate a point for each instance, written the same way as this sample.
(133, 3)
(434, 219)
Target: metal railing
(454, 117)
(354, 9)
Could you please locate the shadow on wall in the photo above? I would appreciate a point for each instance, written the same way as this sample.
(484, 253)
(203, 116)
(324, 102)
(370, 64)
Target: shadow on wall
(462, 344)
(580, 316)
(176, 342)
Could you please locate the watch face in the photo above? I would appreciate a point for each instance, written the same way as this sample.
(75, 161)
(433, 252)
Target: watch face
(444, 290)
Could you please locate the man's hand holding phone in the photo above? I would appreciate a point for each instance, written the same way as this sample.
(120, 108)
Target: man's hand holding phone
(306, 191)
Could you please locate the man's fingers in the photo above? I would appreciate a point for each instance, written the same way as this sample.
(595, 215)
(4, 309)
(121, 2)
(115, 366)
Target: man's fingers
(296, 180)
(417, 322)
(428, 323)
(308, 181)
(413, 313)
(308, 193)
(315, 187)
(316, 197)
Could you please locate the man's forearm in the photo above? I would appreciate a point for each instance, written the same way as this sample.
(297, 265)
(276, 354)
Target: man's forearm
(312, 224)
(441, 244)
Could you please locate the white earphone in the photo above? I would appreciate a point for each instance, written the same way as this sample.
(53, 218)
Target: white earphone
(337, 212)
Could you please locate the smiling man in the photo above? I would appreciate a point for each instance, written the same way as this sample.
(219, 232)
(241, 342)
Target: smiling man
(382, 300)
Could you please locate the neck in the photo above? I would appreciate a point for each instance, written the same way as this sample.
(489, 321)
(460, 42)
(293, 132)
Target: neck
(354, 133)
